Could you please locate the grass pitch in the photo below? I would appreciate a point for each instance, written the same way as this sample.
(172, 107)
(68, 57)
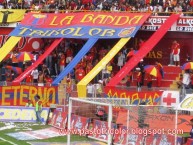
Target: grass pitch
(7, 140)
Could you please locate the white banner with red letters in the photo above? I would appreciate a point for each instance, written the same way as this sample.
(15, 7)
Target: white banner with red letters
(183, 24)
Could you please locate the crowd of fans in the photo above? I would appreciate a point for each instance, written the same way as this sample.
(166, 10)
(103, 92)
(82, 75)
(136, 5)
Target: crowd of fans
(61, 57)
(157, 7)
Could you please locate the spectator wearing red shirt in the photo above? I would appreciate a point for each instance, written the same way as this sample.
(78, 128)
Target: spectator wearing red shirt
(29, 79)
(69, 55)
(191, 3)
(48, 80)
(90, 58)
(80, 73)
(62, 62)
(176, 52)
(73, 5)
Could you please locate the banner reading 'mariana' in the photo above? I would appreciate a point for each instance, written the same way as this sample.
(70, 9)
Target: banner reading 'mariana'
(80, 25)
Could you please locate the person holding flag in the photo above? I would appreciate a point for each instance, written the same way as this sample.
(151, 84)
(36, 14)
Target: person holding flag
(160, 68)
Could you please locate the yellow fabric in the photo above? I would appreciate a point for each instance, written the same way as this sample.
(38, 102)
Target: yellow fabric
(26, 57)
(81, 86)
(8, 46)
(11, 15)
(109, 68)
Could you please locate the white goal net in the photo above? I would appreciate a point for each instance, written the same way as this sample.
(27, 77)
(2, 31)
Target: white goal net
(115, 121)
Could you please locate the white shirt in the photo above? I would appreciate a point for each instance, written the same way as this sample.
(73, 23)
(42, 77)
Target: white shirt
(186, 79)
(35, 74)
(90, 89)
(121, 59)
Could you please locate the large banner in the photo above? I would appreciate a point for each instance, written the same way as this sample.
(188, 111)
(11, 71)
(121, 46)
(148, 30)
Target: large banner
(18, 95)
(10, 15)
(21, 114)
(80, 25)
(151, 98)
(150, 139)
(157, 121)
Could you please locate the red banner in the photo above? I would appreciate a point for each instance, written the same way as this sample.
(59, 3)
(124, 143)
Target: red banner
(100, 130)
(156, 121)
(121, 136)
(59, 119)
(80, 123)
(19, 95)
(50, 20)
(80, 25)
(151, 98)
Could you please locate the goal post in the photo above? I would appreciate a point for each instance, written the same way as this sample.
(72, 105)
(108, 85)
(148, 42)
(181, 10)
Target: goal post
(109, 141)
(144, 124)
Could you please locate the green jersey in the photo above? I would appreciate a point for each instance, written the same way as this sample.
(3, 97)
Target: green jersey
(38, 106)
(29, 105)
